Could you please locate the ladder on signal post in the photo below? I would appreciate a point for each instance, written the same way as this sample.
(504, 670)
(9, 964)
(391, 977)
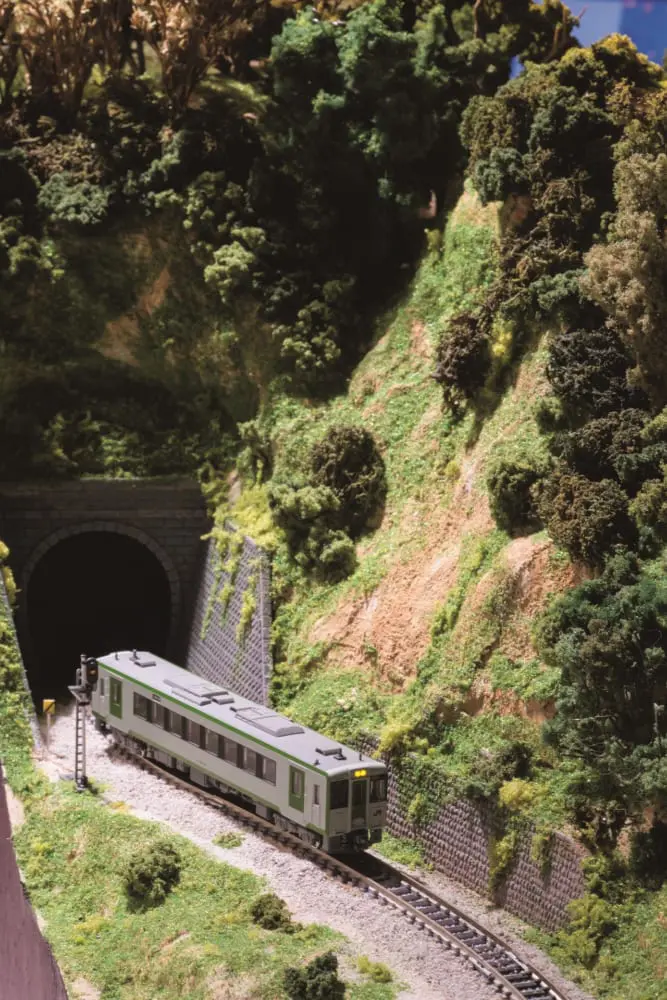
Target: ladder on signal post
(82, 700)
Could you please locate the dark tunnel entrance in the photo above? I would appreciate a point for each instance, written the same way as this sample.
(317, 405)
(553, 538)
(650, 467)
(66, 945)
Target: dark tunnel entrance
(92, 593)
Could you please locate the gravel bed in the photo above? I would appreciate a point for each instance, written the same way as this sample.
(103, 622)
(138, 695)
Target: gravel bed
(504, 925)
(313, 897)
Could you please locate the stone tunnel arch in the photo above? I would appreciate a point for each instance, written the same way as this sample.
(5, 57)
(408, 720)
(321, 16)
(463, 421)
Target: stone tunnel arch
(151, 559)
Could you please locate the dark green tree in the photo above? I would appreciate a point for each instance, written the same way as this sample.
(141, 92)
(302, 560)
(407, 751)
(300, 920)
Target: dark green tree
(608, 638)
(586, 518)
(317, 981)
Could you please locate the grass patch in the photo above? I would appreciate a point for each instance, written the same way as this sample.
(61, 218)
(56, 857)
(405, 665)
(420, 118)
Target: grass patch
(73, 852)
(402, 851)
(228, 839)
(376, 971)
(632, 963)
(342, 704)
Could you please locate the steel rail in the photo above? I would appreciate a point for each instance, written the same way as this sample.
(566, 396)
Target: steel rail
(513, 977)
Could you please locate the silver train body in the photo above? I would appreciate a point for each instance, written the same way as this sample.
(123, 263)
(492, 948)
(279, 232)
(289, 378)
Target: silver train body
(324, 792)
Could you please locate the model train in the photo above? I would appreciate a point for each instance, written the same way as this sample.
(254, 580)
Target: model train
(324, 792)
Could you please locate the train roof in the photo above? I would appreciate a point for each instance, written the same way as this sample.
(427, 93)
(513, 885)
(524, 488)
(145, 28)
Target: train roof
(258, 722)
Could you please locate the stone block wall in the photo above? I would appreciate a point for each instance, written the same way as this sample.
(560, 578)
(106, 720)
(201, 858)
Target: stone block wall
(458, 841)
(215, 648)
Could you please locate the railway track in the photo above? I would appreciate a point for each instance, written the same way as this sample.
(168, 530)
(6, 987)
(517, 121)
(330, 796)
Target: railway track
(454, 930)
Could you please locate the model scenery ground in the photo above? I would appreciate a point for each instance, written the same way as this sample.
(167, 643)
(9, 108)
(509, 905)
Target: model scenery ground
(403, 318)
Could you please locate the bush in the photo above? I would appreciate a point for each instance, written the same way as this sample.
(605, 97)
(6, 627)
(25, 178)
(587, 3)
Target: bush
(66, 200)
(317, 981)
(518, 795)
(614, 446)
(463, 358)
(271, 913)
(377, 971)
(151, 874)
(349, 463)
(583, 517)
(591, 920)
(588, 372)
(307, 515)
(648, 855)
(512, 504)
(649, 508)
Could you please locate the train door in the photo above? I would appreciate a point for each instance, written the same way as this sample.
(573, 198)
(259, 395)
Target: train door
(359, 803)
(116, 697)
(297, 785)
(103, 693)
(316, 811)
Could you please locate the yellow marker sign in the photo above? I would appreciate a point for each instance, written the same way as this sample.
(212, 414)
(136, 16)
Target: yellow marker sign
(49, 706)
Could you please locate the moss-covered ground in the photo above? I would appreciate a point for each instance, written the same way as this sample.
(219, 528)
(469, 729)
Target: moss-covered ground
(200, 944)
(73, 849)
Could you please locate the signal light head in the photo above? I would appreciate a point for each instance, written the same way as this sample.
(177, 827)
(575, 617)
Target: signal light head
(89, 671)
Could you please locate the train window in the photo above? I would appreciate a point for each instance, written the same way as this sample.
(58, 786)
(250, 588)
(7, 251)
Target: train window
(339, 794)
(166, 721)
(101, 687)
(141, 706)
(116, 692)
(158, 715)
(232, 752)
(316, 795)
(213, 742)
(179, 725)
(378, 791)
(249, 760)
(194, 732)
(269, 770)
(297, 782)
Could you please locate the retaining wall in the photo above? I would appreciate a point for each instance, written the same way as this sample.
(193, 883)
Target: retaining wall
(459, 841)
(215, 649)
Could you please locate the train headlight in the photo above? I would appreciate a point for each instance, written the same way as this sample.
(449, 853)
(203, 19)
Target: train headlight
(360, 774)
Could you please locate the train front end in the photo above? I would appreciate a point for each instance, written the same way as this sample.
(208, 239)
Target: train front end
(357, 806)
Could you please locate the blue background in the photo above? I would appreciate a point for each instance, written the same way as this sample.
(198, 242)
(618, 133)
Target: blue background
(645, 22)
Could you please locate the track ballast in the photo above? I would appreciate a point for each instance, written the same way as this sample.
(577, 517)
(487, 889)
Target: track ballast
(485, 952)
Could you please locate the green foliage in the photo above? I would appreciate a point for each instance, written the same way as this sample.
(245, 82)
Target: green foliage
(510, 491)
(463, 360)
(228, 840)
(150, 875)
(586, 518)
(317, 981)
(402, 850)
(248, 607)
(66, 200)
(626, 275)
(502, 854)
(648, 855)
(271, 913)
(378, 972)
(614, 446)
(307, 514)
(348, 462)
(343, 704)
(591, 921)
(606, 636)
(518, 794)
(71, 850)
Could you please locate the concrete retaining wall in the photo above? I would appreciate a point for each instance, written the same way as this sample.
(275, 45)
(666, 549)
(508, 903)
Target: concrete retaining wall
(215, 649)
(458, 841)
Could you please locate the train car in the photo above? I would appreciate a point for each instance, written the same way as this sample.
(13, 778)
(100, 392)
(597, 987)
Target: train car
(322, 791)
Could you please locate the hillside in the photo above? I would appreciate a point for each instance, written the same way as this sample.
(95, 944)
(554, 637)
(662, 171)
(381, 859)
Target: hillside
(403, 317)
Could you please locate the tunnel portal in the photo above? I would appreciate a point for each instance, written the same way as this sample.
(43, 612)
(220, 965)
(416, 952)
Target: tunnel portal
(93, 592)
